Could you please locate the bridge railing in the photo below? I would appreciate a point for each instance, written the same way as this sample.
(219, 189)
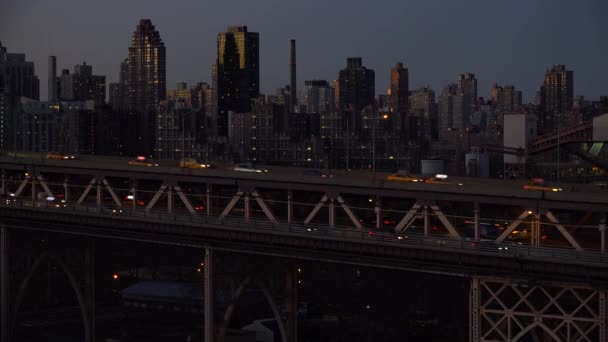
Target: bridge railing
(409, 240)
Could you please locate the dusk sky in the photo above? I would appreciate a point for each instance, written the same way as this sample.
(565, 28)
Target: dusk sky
(510, 42)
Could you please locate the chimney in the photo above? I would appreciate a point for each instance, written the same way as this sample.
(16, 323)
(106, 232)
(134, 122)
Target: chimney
(292, 76)
(52, 81)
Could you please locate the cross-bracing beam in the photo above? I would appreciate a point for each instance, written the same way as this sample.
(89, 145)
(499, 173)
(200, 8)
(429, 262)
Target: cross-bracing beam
(184, 199)
(563, 230)
(86, 191)
(408, 218)
(349, 212)
(22, 185)
(446, 223)
(156, 196)
(258, 199)
(231, 204)
(45, 186)
(316, 209)
(513, 226)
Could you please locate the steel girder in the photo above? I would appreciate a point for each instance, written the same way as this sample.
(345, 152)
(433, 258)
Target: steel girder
(508, 310)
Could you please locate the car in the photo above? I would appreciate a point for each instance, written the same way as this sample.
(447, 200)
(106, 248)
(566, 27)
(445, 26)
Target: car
(248, 168)
(316, 173)
(191, 163)
(403, 177)
(441, 179)
(142, 161)
(59, 156)
(540, 185)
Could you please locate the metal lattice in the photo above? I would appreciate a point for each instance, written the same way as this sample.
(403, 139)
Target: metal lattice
(505, 310)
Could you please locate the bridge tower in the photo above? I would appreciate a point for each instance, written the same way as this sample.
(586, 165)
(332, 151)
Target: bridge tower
(504, 309)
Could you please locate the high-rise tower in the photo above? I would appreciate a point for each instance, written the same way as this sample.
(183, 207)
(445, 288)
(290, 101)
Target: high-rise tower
(357, 87)
(147, 70)
(557, 97)
(468, 87)
(400, 89)
(238, 73)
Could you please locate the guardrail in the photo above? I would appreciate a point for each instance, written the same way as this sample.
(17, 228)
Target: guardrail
(510, 249)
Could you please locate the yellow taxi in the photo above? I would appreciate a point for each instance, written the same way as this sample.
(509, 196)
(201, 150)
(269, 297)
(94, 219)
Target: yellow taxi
(191, 163)
(403, 177)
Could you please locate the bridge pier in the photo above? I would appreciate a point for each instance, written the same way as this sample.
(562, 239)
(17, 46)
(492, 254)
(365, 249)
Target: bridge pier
(209, 327)
(603, 234)
(89, 292)
(510, 310)
(4, 285)
(476, 221)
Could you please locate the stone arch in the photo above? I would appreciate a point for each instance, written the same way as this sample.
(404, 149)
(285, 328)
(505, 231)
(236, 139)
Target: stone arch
(72, 279)
(534, 325)
(269, 299)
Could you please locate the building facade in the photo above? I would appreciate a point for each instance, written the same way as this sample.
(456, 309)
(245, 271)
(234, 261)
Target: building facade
(357, 88)
(82, 85)
(238, 73)
(147, 68)
(316, 97)
(400, 89)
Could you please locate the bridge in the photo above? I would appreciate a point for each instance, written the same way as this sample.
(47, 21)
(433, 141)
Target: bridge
(524, 251)
(585, 140)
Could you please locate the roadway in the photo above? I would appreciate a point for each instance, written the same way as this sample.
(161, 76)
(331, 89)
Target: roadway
(350, 246)
(586, 196)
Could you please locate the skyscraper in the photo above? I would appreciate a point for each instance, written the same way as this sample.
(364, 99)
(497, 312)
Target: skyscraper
(423, 119)
(356, 86)
(468, 87)
(147, 70)
(82, 85)
(452, 110)
(557, 96)
(507, 99)
(21, 77)
(400, 89)
(238, 72)
(52, 81)
(317, 97)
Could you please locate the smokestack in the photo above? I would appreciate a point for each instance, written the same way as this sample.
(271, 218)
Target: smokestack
(53, 96)
(292, 77)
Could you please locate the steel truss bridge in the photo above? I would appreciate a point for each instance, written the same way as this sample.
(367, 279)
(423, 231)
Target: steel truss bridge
(536, 260)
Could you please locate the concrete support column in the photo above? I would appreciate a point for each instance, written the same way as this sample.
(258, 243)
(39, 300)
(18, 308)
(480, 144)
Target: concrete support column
(247, 203)
(89, 291)
(603, 234)
(170, 199)
(474, 328)
(3, 190)
(208, 296)
(98, 194)
(4, 286)
(66, 190)
(476, 222)
(208, 200)
(291, 293)
(33, 190)
(536, 230)
(378, 212)
(134, 201)
(289, 206)
(603, 316)
(332, 213)
(425, 213)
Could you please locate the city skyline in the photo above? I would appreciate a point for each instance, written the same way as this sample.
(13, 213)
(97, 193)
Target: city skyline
(516, 58)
